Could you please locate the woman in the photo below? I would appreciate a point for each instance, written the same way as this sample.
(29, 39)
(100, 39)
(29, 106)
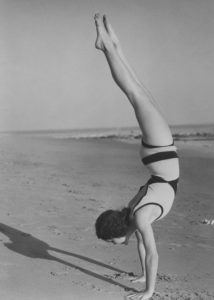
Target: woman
(153, 200)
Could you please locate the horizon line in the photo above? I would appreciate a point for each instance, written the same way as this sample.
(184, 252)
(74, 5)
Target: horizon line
(98, 128)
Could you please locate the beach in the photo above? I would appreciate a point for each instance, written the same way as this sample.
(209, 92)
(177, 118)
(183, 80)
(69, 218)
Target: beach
(52, 191)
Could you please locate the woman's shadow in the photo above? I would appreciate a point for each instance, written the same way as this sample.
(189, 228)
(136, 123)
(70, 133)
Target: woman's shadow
(27, 245)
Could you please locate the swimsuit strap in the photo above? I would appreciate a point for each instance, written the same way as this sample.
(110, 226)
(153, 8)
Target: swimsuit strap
(159, 156)
(172, 183)
(145, 187)
(153, 146)
(151, 203)
(154, 179)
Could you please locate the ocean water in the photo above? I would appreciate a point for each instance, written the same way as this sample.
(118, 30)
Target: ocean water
(197, 131)
(193, 132)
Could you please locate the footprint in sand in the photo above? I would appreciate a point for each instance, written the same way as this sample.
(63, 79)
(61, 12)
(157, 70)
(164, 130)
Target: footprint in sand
(70, 190)
(90, 209)
(87, 284)
(165, 277)
(124, 276)
(75, 192)
(59, 273)
(92, 200)
(183, 295)
(54, 229)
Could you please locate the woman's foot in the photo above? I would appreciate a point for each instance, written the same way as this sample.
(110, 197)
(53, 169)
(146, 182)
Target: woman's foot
(111, 32)
(106, 37)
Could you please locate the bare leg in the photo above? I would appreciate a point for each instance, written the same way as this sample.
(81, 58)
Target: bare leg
(154, 128)
(116, 42)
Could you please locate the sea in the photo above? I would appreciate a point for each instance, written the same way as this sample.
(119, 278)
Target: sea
(180, 132)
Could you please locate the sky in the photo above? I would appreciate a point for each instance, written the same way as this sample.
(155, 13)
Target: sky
(52, 77)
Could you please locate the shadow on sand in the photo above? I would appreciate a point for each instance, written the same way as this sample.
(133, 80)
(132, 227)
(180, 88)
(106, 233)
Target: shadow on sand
(27, 245)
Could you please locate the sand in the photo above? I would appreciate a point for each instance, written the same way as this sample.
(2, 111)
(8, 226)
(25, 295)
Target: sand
(52, 190)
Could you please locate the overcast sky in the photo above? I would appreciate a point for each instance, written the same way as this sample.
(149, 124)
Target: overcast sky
(51, 76)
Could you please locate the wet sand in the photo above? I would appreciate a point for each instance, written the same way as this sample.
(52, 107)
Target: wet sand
(53, 190)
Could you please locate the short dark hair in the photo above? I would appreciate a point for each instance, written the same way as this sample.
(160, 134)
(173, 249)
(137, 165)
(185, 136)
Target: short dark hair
(113, 224)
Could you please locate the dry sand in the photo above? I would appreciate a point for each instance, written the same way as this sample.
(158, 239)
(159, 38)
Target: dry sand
(53, 190)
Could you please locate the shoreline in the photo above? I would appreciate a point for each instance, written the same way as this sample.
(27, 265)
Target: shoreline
(180, 132)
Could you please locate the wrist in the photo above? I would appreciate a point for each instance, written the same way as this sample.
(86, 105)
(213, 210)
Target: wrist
(149, 291)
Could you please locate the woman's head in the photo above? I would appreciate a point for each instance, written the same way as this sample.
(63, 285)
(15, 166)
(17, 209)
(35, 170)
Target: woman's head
(113, 224)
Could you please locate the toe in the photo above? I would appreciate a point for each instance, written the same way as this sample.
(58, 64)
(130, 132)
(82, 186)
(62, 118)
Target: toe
(97, 18)
(106, 23)
(110, 31)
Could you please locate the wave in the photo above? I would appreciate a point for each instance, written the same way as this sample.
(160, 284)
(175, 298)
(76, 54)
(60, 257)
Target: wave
(188, 132)
(131, 137)
(194, 136)
(177, 136)
(195, 132)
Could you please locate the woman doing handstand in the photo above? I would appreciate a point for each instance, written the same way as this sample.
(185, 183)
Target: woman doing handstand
(153, 200)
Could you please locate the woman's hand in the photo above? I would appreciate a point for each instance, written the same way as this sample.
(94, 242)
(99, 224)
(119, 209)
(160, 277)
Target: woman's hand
(133, 278)
(140, 296)
(136, 279)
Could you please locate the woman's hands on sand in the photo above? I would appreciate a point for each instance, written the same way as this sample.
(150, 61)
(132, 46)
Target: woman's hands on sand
(139, 296)
(140, 279)
(133, 278)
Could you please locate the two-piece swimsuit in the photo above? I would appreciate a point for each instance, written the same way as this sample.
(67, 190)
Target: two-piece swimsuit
(160, 190)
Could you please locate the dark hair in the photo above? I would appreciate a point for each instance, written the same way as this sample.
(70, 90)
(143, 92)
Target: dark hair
(113, 224)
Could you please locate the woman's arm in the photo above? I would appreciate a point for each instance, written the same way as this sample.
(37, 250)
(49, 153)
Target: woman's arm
(136, 198)
(151, 257)
(144, 227)
(141, 252)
